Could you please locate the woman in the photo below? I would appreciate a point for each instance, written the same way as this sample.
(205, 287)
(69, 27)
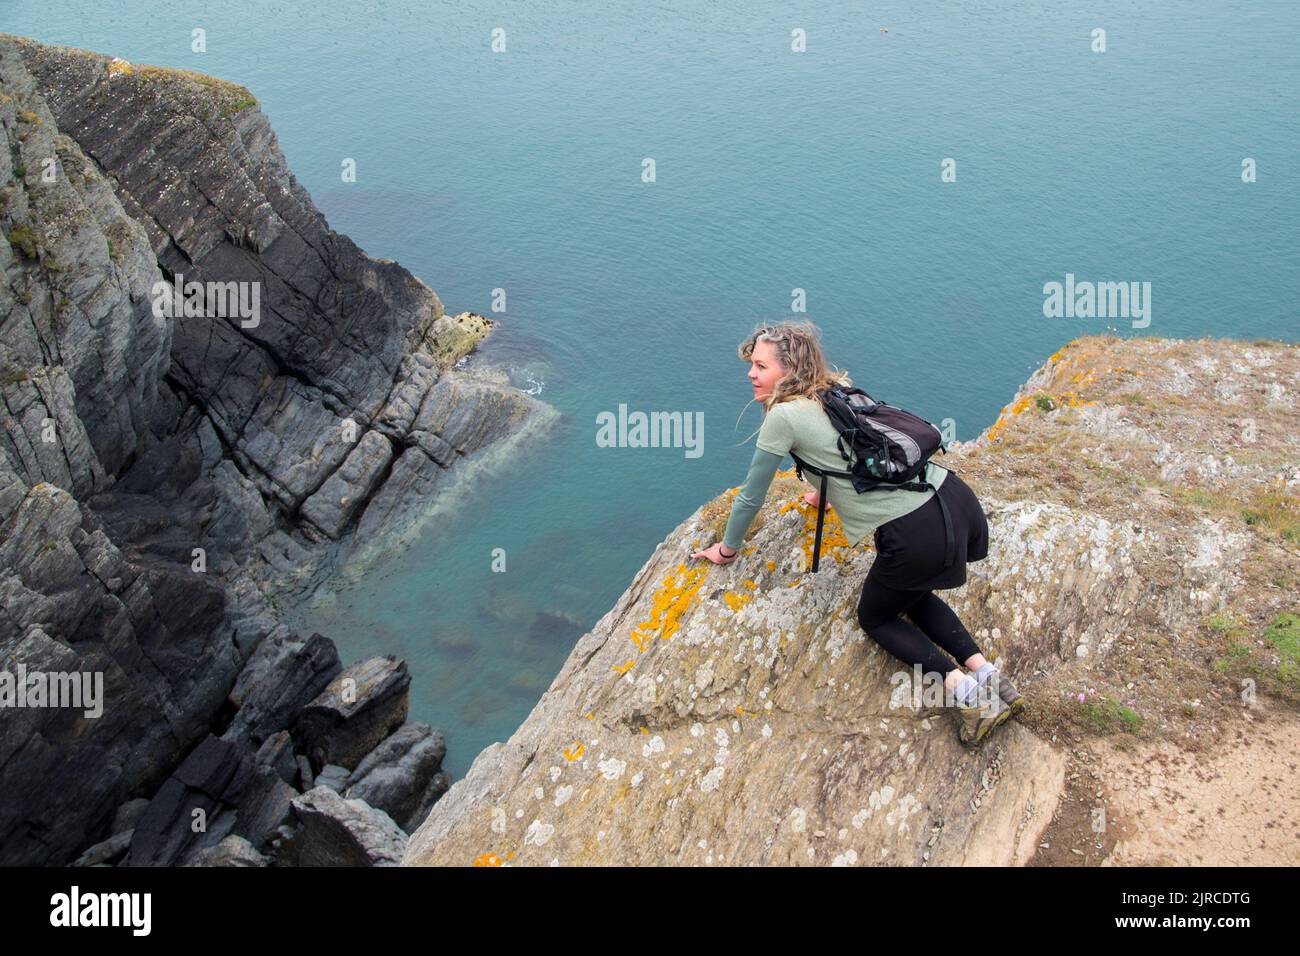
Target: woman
(787, 368)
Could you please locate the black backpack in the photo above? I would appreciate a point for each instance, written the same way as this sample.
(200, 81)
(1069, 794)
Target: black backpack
(885, 446)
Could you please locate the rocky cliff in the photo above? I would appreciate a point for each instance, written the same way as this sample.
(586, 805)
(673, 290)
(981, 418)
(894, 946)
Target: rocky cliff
(165, 473)
(1144, 503)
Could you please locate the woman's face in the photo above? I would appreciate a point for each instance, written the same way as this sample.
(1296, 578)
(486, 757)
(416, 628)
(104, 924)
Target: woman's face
(764, 369)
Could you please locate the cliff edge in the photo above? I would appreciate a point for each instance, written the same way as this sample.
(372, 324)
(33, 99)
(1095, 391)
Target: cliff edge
(1144, 502)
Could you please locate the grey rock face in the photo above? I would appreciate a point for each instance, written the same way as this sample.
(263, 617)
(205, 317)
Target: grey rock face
(234, 850)
(345, 491)
(74, 604)
(283, 676)
(358, 709)
(403, 776)
(334, 831)
(72, 300)
(162, 473)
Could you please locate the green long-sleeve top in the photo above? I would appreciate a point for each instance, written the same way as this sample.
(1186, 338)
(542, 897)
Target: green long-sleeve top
(802, 426)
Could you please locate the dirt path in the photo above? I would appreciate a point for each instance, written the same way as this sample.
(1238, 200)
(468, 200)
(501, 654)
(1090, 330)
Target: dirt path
(1236, 804)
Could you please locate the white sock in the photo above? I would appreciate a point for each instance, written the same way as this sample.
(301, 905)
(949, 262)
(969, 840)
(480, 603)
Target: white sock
(984, 673)
(965, 690)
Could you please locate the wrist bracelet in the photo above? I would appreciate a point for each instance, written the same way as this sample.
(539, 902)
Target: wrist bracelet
(732, 555)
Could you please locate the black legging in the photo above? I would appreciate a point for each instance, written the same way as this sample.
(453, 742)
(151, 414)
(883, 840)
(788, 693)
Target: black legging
(878, 610)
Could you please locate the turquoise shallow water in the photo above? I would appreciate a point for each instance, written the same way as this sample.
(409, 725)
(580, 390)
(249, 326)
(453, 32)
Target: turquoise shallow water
(775, 171)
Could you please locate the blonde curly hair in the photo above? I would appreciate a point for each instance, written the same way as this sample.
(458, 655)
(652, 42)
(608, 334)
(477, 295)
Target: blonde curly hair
(799, 350)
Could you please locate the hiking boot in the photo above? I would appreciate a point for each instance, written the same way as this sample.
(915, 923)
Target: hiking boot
(1014, 700)
(974, 723)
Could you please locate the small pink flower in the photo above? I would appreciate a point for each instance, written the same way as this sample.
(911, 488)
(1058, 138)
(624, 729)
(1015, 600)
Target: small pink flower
(1083, 697)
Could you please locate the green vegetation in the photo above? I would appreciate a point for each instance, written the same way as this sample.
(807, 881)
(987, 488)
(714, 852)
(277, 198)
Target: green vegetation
(1272, 660)
(23, 239)
(1284, 635)
(1109, 716)
(229, 97)
(1275, 513)
(12, 375)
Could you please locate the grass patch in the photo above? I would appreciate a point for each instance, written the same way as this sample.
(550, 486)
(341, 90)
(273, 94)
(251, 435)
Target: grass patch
(12, 375)
(229, 97)
(1274, 514)
(1284, 636)
(1109, 716)
(23, 239)
(1272, 660)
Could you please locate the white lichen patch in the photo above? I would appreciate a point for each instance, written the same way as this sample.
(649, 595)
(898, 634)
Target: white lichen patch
(904, 808)
(703, 676)
(655, 745)
(563, 795)
(612, 768)
(881, 797)
(538, 833)
(713, 779)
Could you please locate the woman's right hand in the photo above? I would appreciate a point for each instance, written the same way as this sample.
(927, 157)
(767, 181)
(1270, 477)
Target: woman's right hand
(813, 498)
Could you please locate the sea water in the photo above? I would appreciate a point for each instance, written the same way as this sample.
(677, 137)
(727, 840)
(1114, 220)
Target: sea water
(913, 179)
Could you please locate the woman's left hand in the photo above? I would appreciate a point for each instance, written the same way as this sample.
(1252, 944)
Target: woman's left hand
(714, 554)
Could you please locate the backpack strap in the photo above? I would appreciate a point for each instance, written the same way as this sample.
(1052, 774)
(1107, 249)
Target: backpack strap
(950, 542)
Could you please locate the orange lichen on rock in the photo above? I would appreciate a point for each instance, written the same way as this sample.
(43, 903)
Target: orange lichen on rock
(487, 859)
(574, 751)
(736, 601)
(833, 538)
(669, 604)
(1008, 412)
(1070, 399)
(624, 668)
